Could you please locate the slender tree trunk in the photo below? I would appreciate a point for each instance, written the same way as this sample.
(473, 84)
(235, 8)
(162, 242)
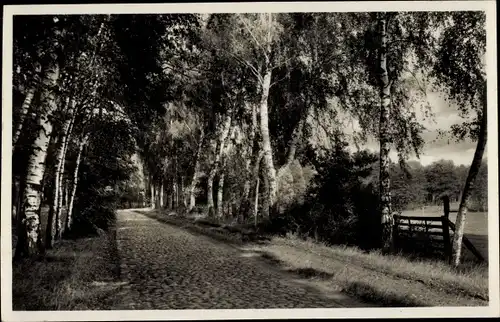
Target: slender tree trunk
(29, 242)
(223, 160)
(254, 150)
(66, 193)
(194, 180)
(157, 196)
(24, 111)
(54, 230)
(210, 191)
(50, 230)
(467, 191)
(67, 130)
(266, 202)
(385, 182)
(183, 193)
(152, 188)
(175, 195)
(161, 194)
(256, 202)
(69, 216)
(266, 140)
(255, 178)
(220, 194)
(218, 155)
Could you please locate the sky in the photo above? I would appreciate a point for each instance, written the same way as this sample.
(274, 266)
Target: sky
(436, 148)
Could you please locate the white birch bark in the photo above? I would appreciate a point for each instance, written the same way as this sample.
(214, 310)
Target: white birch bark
(218, 155)
(29, 242)
(385, 181)
(467, 190)
(69, 216)
(24, 111)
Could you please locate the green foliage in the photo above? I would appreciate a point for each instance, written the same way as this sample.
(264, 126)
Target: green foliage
(442, 180)
(459, 68)
(291, 186)
(338, 205)
(102, 169)
(158, 83)
(407, 187)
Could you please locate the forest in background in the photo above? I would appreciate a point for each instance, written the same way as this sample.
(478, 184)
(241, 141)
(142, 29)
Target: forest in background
(240, 114)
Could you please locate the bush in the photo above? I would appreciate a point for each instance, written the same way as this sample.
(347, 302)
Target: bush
(338, 206)
(94, 210)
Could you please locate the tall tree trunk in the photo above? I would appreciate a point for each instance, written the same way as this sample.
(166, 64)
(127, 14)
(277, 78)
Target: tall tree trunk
(218, 154)
(194, 180)
(66, 193)
(183, 193)
(152, 188)
(266, 140)
(50, 230)
(255, 178)
(220, 194)
(54, 230)
(385, 182)
(67, 130)
(161, 194)
(210, 190)
(266, 202)
(157, 196)
(176, 196)
(69, 217)
(254, 150)
(29, 242)
(256, 202)
(469, 184)
(24, 111)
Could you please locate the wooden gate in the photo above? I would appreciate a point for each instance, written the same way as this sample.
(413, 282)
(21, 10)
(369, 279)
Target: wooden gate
(429, 234)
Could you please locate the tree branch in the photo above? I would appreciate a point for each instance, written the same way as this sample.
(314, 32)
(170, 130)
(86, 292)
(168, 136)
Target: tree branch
(253, 36)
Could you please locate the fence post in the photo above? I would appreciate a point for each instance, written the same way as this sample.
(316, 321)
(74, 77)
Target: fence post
(446, 228)
(395, 232)
(446, 206)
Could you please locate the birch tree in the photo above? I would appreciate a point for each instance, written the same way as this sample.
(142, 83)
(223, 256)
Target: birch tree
(459, 68)
(29, 242)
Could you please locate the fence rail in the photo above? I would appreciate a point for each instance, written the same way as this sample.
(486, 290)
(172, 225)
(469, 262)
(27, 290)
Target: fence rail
(410, 229)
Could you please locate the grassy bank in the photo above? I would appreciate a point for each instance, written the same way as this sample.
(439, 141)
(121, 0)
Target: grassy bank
(76, 275)
(386, 280)
(396, 281)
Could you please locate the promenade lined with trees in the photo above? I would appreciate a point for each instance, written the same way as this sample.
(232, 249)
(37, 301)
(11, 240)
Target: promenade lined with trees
(239, 116)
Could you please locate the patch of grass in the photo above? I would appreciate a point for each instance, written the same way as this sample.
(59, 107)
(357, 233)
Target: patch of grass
(384, 297)
(470, 279)
(387, 280)
(65, 279)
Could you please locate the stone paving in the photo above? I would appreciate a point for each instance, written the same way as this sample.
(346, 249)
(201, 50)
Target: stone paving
(165, 267)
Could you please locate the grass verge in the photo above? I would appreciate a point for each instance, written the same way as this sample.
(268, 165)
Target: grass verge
(385, 280)
(76, 275)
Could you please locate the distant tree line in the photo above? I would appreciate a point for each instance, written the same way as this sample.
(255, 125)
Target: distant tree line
(416, 185)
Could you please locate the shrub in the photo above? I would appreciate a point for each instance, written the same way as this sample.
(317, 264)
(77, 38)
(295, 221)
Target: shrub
(338, 205)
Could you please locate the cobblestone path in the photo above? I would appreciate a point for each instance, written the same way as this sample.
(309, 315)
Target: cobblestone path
(166, 267)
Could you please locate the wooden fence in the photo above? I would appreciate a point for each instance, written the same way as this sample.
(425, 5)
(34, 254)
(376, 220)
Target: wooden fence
(429, 234)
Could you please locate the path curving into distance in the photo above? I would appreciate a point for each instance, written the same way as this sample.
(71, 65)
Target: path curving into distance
(166, 267)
